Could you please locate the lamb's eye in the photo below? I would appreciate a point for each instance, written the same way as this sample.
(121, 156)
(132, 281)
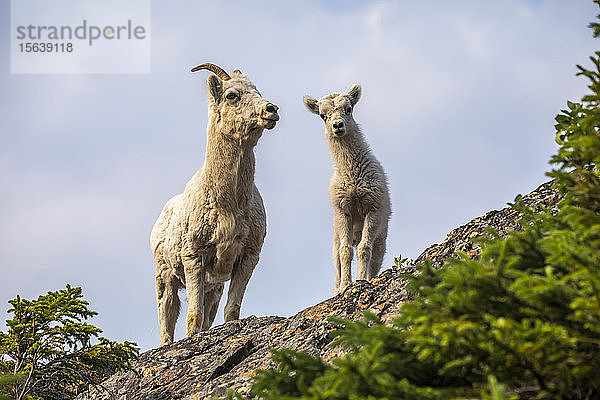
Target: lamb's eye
(348, 110)
(231, 96)
(323, 116)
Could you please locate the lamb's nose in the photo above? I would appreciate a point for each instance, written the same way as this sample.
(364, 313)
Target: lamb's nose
(272, 108)
(338, 125)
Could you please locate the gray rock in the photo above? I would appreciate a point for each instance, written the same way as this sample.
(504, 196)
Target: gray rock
(226, 357)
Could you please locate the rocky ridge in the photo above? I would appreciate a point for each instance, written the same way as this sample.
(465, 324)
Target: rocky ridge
(226, 357)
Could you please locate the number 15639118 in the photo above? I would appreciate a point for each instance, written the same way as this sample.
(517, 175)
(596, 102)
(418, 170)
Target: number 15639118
(46, 47)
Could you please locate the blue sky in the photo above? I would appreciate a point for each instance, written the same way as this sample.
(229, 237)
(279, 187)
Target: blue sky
(458, 104)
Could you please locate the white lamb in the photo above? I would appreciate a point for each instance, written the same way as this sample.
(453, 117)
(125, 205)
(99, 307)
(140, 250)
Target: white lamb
(214, 230)
(358, 190)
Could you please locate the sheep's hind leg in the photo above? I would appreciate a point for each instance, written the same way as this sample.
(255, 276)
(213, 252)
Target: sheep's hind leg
(240, 276)
(168, 303)
(211, 305)
(194, 287)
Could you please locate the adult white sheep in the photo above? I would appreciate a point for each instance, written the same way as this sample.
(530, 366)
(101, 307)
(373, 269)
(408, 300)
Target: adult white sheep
(358, 190)
(214, 230)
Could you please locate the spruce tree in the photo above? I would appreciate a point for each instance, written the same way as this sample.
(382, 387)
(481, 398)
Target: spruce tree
(50, 352)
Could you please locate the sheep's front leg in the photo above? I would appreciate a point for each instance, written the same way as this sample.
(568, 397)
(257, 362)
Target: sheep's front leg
(336, 263)
(365, 247)
(240, 276)
(343, 230)
(377, 255)
(194, 287)
(228, 246)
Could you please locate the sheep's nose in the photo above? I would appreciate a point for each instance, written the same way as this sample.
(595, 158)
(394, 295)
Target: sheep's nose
(272, 108)
(338, 125)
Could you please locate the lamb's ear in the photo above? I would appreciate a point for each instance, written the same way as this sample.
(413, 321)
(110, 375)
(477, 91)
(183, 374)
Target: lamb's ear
(215, 88)
(354, 94)
(311, 104)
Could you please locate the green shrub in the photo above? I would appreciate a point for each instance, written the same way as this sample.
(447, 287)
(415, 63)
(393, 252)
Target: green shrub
(522, 321)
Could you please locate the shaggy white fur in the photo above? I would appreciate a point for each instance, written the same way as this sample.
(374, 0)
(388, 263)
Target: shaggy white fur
(214, 230)
(358, 190)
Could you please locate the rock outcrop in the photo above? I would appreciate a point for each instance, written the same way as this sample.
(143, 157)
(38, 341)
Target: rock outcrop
(502, 221)
(227, 356)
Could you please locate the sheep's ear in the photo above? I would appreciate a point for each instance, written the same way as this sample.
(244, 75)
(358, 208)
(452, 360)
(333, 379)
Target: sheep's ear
(354, 94)
(215, 88)
(311, 104)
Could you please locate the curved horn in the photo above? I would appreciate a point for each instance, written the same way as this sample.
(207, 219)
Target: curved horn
(220, 72)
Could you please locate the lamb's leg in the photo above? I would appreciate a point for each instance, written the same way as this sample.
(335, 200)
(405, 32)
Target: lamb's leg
(194, 287)
(336, 263)
(240, 276)
(343, 228)
(376, 257)
(365, 247)
(168, 302)
(211, 305)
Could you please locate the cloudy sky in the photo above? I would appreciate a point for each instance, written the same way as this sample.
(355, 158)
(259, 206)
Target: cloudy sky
(458, 105)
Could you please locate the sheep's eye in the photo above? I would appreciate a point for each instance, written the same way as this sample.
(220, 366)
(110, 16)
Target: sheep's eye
(323, 116)
(231, 96)
(348, 110)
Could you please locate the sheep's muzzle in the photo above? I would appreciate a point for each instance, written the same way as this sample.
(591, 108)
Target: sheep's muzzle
(269, 115)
